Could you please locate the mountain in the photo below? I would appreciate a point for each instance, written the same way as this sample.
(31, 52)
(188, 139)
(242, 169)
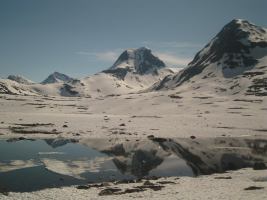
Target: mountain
(57, 77)
(233, 61)
(134, 70)
(139, 61)
(8, 86)
(20, 79)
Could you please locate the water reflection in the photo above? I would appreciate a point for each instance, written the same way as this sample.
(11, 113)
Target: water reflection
(27, 165)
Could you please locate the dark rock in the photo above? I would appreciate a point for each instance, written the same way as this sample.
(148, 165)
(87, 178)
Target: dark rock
(132, 190)
(152, 187)
(109, 191)
(150, 137)
(253, 188)
(160, 140)
(119, 73)
(259, 166)
(174, 96)
(148, 183)
(166, 182)
(223, 177)
(82, 187)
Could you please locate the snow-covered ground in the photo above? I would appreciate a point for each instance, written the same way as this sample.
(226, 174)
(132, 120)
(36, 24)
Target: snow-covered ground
(165, 114)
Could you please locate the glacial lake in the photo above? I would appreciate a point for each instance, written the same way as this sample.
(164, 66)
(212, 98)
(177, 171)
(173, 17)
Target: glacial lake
(30, 165)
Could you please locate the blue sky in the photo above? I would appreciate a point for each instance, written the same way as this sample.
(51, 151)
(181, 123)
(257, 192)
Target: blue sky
(82, 37)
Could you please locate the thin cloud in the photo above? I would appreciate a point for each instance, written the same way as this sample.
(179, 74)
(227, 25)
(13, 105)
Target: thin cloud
(172, 60)
(107, 56)
(173, 44)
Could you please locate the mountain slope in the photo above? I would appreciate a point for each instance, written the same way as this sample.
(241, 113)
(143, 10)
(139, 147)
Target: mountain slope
(20, 79)
(12, 87)
(233, 61)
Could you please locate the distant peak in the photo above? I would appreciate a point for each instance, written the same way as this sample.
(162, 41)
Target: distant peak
(140, 60)
(57, 77)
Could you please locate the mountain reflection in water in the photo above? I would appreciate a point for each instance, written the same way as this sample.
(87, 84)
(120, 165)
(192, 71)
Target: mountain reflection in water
(28, 165)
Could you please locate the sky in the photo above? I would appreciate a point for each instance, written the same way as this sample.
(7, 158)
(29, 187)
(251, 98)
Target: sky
(83, 37)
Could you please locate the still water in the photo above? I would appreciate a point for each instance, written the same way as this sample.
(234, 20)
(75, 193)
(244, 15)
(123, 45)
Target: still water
(28, 165)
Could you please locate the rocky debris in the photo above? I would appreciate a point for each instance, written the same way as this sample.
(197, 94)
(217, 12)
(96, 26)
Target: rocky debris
(258, 87)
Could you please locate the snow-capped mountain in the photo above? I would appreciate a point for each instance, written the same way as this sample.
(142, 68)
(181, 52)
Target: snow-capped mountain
(57, 77)
(140, 61)
(134, 70)
(234, 60)
(20, 79)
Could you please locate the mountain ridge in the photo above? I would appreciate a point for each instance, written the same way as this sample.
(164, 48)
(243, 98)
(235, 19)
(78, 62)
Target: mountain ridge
(20, 79)
(236, 50)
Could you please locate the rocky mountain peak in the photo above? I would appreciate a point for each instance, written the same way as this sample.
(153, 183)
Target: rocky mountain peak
(139, 61)
(57, 77)
(232, 46)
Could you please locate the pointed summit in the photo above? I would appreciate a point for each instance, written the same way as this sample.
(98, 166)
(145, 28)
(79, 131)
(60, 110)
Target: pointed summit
(57, 77)
(140, 61)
